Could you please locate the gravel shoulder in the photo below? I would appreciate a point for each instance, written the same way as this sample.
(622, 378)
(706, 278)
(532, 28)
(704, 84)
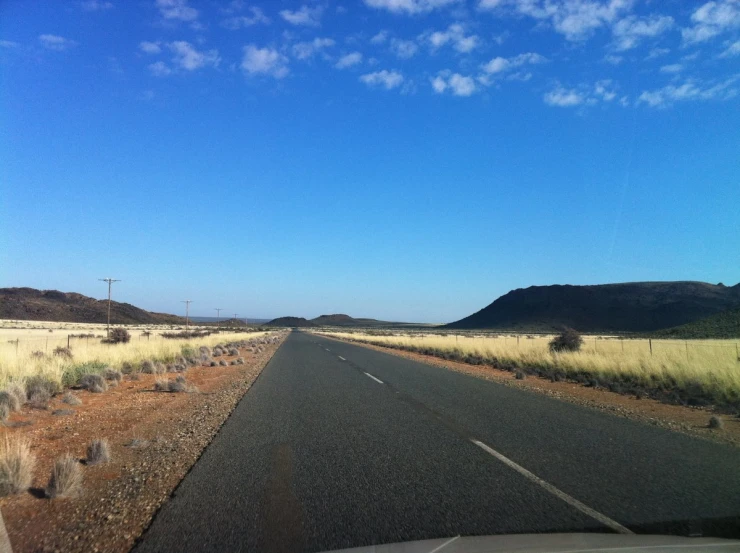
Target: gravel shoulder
(688, 420)
(155, 439)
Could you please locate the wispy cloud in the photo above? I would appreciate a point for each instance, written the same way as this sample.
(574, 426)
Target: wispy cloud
(187, 57)
(305, 15)
(348, 60)
(56, 42)
(8, 44)
(150, 47)
(712, 19)
(95, 5)
(672, 68)
(586, 94)
(380, 37)
(404, 49)
(256, 17)
(384, 79)
(305, 50)
(732, 50)
(456, 37)
(499, 65)
(690, 90)
(629, 31)
(575, 19)
(458, 85)
(159, 69)
(177, 10)
(264, 61)
(409, 6)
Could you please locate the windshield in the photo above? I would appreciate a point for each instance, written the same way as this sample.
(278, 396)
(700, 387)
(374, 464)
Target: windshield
(305, 275)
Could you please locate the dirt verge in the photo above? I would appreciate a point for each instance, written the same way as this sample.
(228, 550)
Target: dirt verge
(155, 438)
(689, 420)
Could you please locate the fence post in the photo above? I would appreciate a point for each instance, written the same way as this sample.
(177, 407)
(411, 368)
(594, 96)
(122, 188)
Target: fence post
(517, 340)
(67, 341)
(686, 342)
(650, 341)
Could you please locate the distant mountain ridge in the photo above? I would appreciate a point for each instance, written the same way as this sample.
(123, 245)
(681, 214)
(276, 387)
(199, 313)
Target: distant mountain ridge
(30, 304)
(291, 322)
(623, 307)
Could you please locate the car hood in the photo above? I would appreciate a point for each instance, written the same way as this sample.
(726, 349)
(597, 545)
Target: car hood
(554, 543)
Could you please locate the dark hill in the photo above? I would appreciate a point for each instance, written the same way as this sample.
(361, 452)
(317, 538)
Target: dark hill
(335, 320)
(30, 304)
(627, 307)
(290, 321)
(721, 325)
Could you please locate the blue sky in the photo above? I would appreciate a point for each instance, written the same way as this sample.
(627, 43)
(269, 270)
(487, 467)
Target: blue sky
(397, 159)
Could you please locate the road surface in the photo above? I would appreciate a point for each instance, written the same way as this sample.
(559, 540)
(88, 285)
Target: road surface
(340, 446)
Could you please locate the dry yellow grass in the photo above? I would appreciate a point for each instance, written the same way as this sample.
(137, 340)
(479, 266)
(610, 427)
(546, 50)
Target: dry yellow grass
(707, 369)
(17, 347)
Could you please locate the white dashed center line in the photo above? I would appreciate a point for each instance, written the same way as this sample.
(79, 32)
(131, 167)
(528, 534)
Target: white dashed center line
(572, 501)
(375, 379)
(342, 358)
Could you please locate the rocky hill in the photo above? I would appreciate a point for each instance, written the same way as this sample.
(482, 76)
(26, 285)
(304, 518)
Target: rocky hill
(51, 305)
(290, 322)
(626, 307)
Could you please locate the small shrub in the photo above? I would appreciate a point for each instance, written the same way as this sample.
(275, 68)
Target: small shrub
(137, 443)
(117, 336)
(217, 352)
(112, 374)
(234, 351)
(65, 479)
(147, 366)
(162, 385)
(98, 452)
(205, 350)
(39, 400)
(18, 390)
(61, 351)
(213, 364)
(42, 383)
(4, 412)
(180, 378)
(38, 354)
(223, 363)
(187, 351)
(568, 340)
(240, 360)
(716, 422)
(206, 360)
(71, 399)
(16, 465)
(10, 400)
(93, 383)
(520, 375)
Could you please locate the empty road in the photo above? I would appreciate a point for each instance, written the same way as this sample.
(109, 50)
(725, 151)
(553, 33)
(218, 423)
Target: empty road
(340, 446)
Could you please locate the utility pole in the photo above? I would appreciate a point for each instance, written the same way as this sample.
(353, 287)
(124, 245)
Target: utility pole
(235, 316)
(109, 281)
(187, 311)
(218, 316)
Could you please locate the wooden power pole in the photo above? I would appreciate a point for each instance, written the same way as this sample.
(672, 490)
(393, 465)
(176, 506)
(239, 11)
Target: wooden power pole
(109, 281)
(187, 313)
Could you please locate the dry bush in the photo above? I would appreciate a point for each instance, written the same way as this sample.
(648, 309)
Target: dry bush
(10, 400)
(61, 351)
(39, 400)
(233, 351)
(716, 423)
(4, 412)
(93, 383)
(520, 375)
(42, 384)
(223, 363)
(71, 399)
(217, 352)
(148, 366)
(179, 384)
(112, 374)
(98, 451)
(16, 465)
(38, 355)
(162, 385)
(213, 364)
(569, 340)
(117, 336)
(18, 390)
(205, 350)
(206, 360)
(65, 479)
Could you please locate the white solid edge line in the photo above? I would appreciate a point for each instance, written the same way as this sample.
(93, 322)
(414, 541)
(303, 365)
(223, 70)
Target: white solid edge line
(572, 501)
(342, 358)
(375, 379)
(445, 544)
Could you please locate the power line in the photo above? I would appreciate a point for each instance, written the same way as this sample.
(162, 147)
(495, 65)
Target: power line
(218, 315)
(109, 281)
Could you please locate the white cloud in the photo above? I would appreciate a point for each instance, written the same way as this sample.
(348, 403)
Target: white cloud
(712, 19)
(454, 36)
(8, 44)
(458, 85)
(150, 47)
(305, 50)
(409, 6)
(386, 79)
(177, 10)
(691, 90)
(349, 60)
(96, 5)
(404, 49)
(500, 65)
(264, 61)
(576, 19)
(188, 58)
(380, 38)
(672, 68)
(159, 69)
(732, 50)
(600, 91)
(613, 59)
(305, 15)
(257, 17)
(56, 42)
(657, 52)
(629, 31)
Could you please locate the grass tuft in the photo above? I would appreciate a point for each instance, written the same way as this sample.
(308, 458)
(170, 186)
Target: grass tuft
(42, 384)
(112, 374)
(16, 465)
(94, 383)
(10, 400)
(98, 451)
(716, 422)
(65, 479)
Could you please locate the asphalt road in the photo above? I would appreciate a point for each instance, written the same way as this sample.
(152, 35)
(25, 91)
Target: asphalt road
(340, 446)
